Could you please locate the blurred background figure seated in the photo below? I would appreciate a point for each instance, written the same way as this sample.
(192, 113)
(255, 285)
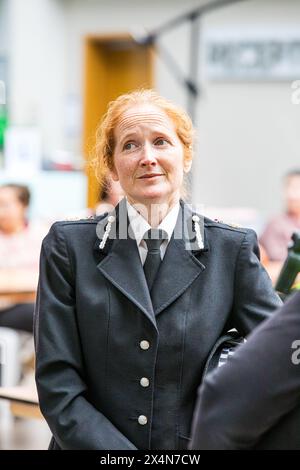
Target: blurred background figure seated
(109, 196)
(276, 236)
(20, 244)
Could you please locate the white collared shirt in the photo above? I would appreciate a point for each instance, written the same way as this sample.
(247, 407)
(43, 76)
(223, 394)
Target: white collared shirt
(140, 226)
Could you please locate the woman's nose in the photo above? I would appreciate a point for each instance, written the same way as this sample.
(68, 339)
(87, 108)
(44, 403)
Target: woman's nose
(148, 155)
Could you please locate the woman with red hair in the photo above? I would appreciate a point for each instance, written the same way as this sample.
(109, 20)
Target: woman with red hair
(130, 303)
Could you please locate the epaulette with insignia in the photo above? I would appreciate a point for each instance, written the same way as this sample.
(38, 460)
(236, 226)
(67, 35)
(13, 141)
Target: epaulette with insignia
(71, 219)
(75, 219)
(232, 225)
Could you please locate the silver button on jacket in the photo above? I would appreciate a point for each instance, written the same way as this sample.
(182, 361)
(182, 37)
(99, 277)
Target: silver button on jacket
(142, 420)
(144, 382)
(144, 344)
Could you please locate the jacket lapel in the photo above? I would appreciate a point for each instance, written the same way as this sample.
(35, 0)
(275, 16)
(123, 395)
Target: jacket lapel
(180, 266)
(122, 264)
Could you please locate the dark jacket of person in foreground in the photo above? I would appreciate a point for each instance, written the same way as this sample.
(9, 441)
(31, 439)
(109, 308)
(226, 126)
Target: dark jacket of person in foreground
(98, 332)
(253, 402)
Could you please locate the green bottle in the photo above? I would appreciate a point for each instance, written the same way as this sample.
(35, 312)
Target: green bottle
(3, 124)
(290, 269)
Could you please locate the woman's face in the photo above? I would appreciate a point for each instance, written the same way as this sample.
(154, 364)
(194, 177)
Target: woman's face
(12, 211)
(149, 156)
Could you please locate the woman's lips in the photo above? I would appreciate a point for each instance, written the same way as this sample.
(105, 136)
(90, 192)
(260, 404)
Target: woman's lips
(150, 175)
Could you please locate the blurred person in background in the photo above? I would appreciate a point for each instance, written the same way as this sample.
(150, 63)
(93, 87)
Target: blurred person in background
(129, 306)
(19, 255)
(277, 234)
(110, 195)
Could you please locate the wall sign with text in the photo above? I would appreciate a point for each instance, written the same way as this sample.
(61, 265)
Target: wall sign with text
(252, 55)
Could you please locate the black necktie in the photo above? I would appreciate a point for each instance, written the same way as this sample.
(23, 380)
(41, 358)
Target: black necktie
(153, 239)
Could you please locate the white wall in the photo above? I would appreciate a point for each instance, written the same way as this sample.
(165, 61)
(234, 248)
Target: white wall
(105, 16)
(4, 50)
(37, 67)
(4, 27)
(248, 132)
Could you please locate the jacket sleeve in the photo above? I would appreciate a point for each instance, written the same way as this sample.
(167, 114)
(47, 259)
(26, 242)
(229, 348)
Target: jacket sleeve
(60, 376)
(254, 296)
(244, 399)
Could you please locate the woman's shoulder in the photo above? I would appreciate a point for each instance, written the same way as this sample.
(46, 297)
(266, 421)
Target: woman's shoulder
(225, 226)
(78, 222)
(228, 235)
(79, 229)
(215, 225)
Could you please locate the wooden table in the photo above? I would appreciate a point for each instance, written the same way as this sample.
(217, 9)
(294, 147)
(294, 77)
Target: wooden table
(24, 401)
(18, 285)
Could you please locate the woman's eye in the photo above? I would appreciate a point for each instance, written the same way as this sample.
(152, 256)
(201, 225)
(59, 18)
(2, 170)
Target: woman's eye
(161, 141)
(129, 146)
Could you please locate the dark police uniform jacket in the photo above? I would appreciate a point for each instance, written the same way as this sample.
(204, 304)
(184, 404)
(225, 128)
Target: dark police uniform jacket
(253, 402)
(98, 332)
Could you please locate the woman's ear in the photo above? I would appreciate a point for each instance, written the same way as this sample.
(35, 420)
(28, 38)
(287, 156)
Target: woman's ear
(114, 174)
(187, 165)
